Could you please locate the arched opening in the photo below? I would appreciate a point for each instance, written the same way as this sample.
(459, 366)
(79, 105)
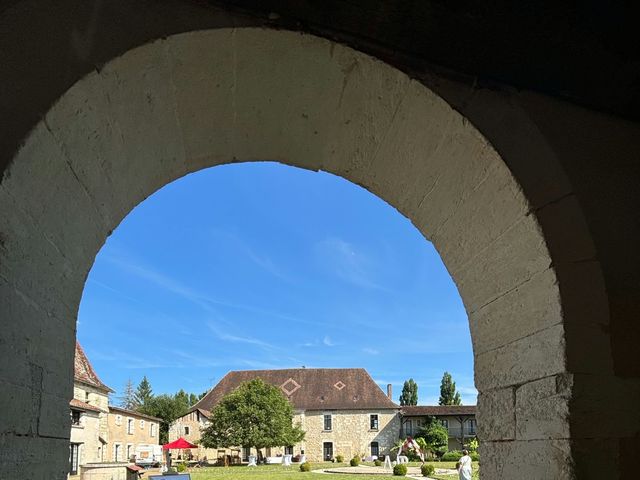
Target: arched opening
(206, 98)
(264, 267)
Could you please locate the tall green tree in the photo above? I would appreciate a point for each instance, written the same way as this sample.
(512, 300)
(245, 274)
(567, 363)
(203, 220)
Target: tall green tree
(435, 436)
(409, 395)
(448, 393)
(165, 407)
(128, 398)
(182, 398)
(144, 393)
(255, 414)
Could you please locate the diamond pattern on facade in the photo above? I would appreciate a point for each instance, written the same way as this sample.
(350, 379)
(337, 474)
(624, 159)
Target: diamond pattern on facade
(339, 385)
(289, 386)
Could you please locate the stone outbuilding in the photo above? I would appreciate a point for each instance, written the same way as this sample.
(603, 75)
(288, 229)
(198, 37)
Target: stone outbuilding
(342, 411)
(459, 420)
(89, 410)
(129, 429)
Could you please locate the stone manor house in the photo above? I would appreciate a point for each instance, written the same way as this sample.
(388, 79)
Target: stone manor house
(343, 412)
(103, 436)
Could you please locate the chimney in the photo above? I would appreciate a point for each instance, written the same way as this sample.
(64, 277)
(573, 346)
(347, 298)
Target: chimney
(390, 391)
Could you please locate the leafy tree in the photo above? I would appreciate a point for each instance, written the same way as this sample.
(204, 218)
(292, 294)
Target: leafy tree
(183, 400)
(128, 399)
(256, 414)
(448, 394)
(434, 435)
(167, 409)
(144, 393)
(409, 394)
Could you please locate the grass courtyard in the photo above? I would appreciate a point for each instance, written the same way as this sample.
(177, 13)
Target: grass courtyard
(278, 472)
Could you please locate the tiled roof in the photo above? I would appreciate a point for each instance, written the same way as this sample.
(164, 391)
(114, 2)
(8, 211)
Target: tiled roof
(309, 388)
(133, 413)
(437, 410)
(206, 413)
(84, 372)
(79, 405)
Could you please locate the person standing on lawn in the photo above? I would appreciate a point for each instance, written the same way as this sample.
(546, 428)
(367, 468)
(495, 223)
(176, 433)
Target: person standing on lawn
(464, 466)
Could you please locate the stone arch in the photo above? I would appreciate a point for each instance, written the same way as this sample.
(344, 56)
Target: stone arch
(206, 98)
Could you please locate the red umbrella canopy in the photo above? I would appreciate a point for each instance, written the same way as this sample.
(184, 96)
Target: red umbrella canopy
(180, 443)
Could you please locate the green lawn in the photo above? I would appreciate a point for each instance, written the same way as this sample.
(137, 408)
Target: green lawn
(278, 472)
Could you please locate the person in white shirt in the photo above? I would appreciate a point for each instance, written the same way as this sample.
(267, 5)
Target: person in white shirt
(464, 466)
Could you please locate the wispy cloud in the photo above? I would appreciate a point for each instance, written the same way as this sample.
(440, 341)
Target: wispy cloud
(227, 337)
(128, 361)
(328, 342)
(348, 263)
(263, 261)
(371, 351)
(206, 302)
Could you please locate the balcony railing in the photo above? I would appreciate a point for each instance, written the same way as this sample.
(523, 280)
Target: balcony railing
(456, 432)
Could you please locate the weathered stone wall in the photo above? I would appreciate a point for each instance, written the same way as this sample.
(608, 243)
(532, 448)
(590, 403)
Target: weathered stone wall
(119, 434)
(524, 262)
(86, 434)
(195, 424)
(350, 433)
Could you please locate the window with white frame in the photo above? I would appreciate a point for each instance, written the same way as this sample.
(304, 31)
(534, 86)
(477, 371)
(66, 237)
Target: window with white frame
(445, 423)
(74, 455)
(129, 451)
(373, 421)
(130, 426)
(141, 424)
(328, 422)
(118, 419)
(186, 430)
(152, 430)
(117, 452)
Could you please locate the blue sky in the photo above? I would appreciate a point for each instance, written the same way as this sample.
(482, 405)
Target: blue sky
(261, 265)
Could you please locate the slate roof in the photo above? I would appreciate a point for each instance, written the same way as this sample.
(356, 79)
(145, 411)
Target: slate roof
(437, 410)
(83, 372)
(309, 388)
(80, 405)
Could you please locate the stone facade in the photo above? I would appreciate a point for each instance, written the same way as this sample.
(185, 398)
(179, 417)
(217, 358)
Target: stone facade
(350, 433)
(100, 432)
(89, 410)
(127, 429)
(189, 427)
(362, 420)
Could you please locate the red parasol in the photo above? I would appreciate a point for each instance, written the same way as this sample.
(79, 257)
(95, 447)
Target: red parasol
(179, 444)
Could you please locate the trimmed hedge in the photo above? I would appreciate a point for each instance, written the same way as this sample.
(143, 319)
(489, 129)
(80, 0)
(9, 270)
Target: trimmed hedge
(355, 461)
(305, 467)
(340, 458)
(377, 463)
(452, 456)
(427, 470)
(400, 470)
